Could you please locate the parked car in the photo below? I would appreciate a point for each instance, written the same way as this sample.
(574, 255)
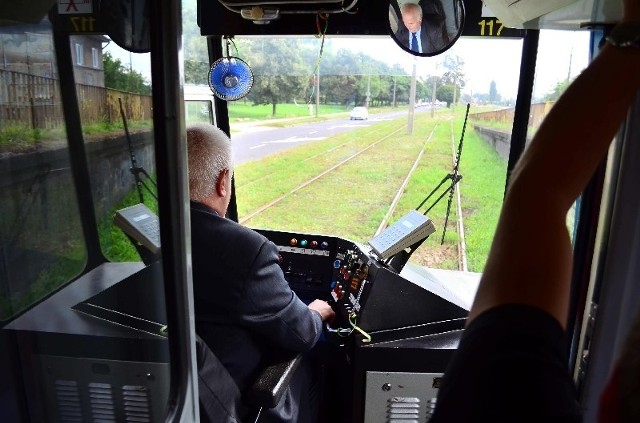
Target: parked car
(359, 113)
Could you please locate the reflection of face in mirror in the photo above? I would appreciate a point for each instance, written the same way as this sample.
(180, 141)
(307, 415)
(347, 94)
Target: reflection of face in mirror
(425, 27)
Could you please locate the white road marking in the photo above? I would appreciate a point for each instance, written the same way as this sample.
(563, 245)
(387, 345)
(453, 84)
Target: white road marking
(257, 146)
(295, 139)
(349, 125)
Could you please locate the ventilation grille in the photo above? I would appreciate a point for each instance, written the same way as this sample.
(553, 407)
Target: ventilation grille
(136, 403)
(431, 408)
(403, 410)
(68, 399)
(102, 402)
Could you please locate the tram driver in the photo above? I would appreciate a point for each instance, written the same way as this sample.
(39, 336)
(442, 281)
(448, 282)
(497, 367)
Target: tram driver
(244, 308)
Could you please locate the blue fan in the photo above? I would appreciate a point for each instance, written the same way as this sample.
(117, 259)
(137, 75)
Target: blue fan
(230, 78)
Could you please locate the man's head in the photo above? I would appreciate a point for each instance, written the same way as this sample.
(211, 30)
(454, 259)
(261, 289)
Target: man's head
(411, 16)
(210, 166)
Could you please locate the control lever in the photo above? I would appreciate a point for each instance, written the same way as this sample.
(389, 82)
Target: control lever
(342, 332)
(333, 330)
(337, 335)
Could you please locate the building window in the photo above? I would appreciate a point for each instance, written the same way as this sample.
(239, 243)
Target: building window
(79, 54)
(95, 57)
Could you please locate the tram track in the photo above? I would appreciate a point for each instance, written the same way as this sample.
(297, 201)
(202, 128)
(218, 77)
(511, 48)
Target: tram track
(459, 256)
(462, 248)
(385, 221)
(460, 245)
(309, 181)
(306, 159)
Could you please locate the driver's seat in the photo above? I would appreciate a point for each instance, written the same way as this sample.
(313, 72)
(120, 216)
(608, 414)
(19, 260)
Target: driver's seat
(220, 398)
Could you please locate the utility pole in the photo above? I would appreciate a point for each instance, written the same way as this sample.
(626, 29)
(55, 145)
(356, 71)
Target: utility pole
(433, 90)
(394, 91)
(433, 96)
(412, 100)
(455, 88)
(318, 91)
(368, 91)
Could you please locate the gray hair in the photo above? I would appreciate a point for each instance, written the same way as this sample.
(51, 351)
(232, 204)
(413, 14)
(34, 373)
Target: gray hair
(209, 153)
(412, 8)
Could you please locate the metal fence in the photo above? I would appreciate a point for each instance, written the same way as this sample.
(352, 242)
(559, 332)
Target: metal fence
(34, 102)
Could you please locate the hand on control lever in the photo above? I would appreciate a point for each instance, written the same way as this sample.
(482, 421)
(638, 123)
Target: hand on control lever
(324, 309)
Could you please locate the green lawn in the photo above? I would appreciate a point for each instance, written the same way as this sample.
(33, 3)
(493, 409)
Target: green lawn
(247, 111)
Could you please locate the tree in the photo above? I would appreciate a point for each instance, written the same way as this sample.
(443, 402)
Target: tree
(118, 77)
(494, 97)
(196, 72)
(454, 76)
(279, 76)
(196, 56)
(557, 90)
(445, 93)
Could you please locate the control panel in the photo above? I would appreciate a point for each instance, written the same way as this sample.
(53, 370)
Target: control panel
(306, 261)
(352, 280)
(327, 268)
(364, 292)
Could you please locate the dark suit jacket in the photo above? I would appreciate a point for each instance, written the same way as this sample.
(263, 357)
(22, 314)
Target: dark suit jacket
(433, 37)
(244, 308)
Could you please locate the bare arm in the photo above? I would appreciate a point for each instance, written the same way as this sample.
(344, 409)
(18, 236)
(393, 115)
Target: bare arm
(530, 259)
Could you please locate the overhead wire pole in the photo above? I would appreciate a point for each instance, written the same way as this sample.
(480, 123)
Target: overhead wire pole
(394, 91)
(433, 97)
(412, 100)
(318, 91)
(455, 89)
(433, 90)
(368, 90)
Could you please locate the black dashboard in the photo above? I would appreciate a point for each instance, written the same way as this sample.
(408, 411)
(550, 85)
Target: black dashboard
(362, 289)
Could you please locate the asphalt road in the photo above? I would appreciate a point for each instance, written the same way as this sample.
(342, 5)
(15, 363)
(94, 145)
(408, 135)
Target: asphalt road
(257, 141)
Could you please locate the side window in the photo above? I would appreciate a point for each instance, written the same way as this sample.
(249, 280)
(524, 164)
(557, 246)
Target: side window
(41, 240)
(63, 342)
(126, 176)
(95, 57)
(79, 54)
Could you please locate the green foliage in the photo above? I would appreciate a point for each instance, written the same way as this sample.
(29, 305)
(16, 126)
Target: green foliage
(115, 245)
(494, 97)
(106, 127)
(482, 192)
(118, 77)
(240, 111)
(445, 93)
(19, 135)
(346, 77)
(455, 71)
(196, 72)
(276, 79)
(558, 90)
